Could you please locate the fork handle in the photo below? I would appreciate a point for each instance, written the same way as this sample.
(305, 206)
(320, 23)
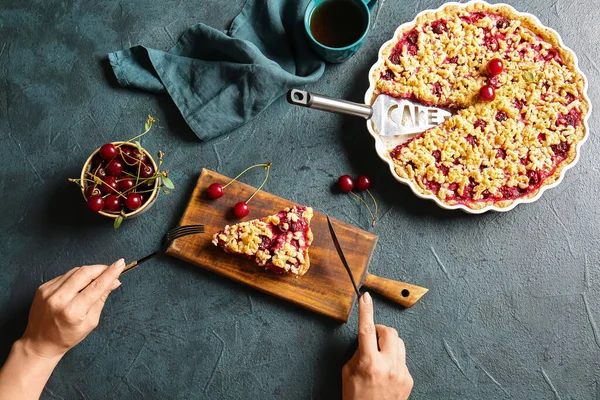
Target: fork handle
(137, 263)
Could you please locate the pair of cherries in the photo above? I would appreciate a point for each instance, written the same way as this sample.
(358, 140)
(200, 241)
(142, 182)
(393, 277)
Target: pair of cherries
(241, 208)
(347, 184)
(495, 67)
(216, 191)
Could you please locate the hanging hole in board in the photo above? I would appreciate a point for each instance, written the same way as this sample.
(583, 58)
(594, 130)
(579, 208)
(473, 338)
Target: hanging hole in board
(405, 293)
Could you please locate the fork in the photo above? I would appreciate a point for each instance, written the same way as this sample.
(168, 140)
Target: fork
(173, 234)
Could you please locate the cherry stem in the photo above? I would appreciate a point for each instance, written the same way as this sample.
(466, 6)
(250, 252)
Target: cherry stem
(125, 161)
(142, 182)
(268, 168)
(104, 183)
(149, 122)
(145, 191)
(374, 202)
(137, 178)
(246, 170)
(368, 208)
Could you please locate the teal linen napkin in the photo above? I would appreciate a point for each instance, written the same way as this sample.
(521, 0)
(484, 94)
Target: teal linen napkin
(219, 81)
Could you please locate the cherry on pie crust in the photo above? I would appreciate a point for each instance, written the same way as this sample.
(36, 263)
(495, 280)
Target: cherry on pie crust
(487, 153)
(278, 242)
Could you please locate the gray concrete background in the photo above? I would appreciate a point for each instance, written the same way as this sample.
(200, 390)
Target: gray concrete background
(514, 306)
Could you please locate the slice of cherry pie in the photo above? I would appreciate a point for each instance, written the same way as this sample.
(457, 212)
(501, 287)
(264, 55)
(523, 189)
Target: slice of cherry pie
(278, 242)
(489, 152)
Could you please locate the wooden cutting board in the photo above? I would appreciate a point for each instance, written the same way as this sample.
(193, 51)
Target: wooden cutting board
(325, 288)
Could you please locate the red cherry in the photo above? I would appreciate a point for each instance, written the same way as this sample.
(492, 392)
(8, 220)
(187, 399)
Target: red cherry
(134, 201)
(114, 168)
(101, 173)
(146, 171)
(145, 197)
(487, 93)
(125, 153)
(110, 184)
(241, 209)
(495, 66)
(113, 202)
(92, 190)
(126, 184)
(108, 151)
(346, 183)
(215, 191)
(363, 183)
(95, 203)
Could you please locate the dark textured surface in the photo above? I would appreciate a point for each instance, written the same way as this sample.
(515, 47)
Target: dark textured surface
(514, 305)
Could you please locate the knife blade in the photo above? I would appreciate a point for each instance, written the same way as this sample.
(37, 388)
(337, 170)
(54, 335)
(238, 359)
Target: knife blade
(336, 243)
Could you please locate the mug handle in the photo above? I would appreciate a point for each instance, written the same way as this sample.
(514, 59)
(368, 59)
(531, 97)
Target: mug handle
(370, 3)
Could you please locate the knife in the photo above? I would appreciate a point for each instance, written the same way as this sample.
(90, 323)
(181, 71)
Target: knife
(402, 293)
(336, 243)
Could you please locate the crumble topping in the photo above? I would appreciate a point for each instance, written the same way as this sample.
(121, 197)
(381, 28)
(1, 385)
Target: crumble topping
(487, 153)
(278, 242)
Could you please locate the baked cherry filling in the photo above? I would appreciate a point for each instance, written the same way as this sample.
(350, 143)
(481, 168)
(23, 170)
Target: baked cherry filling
(395, 56)
(438, 27)
(501, 116)
(480, 124)
(387, 75)
(570, 119)
(502, 23)
(518, 104)
(560, 150)
(437, 89)
(410, 41)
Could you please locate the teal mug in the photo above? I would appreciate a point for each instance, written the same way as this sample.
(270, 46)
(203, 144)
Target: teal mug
(336, 29)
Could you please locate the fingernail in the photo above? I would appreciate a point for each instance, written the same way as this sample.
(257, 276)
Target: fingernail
(119, 264)
(116, 283)
(366, 298)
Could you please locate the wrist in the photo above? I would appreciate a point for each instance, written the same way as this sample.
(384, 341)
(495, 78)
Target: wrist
(33, 352)
(25, 373)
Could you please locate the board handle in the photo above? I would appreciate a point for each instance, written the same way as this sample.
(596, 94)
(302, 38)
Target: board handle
(402, 293)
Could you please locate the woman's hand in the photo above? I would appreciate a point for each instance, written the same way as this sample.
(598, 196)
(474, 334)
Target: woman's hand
(67, 308)
(64, 311)
(378, 368)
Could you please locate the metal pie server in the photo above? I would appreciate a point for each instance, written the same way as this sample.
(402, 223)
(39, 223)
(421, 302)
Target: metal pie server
(390, 116)
(402, 293)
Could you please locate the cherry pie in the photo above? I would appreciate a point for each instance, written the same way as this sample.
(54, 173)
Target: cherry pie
(489, 152)
(278, 242)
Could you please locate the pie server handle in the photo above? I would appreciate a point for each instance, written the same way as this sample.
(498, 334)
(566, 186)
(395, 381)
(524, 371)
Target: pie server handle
(311, 100)
(402, 293)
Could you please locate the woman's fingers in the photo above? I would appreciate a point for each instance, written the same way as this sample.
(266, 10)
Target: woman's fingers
(77, 281)
(388, 340)
(93, 314)
(55, 283)
(98, 287)
(401, 352)
(367, 336)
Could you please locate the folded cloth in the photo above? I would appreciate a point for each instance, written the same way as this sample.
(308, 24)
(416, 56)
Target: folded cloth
(219, 81)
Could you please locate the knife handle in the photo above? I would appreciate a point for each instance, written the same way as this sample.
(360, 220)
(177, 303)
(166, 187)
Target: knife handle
(402, 293)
